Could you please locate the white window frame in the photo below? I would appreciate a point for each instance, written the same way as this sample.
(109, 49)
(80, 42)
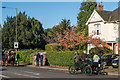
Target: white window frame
(97, 27)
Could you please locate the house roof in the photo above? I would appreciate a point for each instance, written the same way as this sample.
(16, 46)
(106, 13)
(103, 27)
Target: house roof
(109, 15)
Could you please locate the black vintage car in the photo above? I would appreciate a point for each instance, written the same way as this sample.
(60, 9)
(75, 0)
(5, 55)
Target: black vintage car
(107, 58)
(88, 67)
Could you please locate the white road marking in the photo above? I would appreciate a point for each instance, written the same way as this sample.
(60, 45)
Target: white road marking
(4, 76)
(32, 73)
(26, 75)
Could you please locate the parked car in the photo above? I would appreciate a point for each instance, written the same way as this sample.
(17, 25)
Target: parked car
(114, 56)
(115, 63)
(107, 58)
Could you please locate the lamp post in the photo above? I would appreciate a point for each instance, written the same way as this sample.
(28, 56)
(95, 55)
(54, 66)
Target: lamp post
(16, 18)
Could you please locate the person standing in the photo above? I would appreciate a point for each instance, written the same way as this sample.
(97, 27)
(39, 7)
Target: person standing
(34, 61)
(41, 58)
(37, 59)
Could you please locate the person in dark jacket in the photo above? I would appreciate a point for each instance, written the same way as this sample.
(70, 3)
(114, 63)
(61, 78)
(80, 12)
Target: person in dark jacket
(41, 58)
(84, 55)
(37, 59)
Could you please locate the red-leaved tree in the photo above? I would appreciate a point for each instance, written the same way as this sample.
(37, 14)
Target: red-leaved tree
(71, 38)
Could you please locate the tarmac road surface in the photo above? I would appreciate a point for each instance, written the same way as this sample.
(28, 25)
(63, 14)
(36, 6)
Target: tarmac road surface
(32, 72)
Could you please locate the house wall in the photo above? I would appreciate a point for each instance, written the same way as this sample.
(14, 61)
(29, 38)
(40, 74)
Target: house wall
(108, 31)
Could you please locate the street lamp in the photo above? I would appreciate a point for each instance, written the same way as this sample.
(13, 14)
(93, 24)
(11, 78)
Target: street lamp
(16, 18)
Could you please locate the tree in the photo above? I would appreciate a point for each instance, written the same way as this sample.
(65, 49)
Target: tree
(72, 38)
(29, 32)
(86, 9)
(50, 34)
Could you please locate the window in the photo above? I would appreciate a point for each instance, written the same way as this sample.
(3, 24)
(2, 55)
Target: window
(97, 32)
(97, 29)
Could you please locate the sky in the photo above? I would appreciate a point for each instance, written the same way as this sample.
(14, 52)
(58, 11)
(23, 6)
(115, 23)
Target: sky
(49, 13)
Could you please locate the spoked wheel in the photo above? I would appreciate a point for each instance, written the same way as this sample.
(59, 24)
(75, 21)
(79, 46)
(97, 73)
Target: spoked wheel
(6, 63)
(72, 69)
(88, 70)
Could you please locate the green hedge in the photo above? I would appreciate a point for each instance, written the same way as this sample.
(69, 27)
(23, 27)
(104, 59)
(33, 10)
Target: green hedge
(60, 58)
(27, 56)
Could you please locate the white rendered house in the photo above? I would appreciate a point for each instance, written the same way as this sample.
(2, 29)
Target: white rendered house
(105, 24)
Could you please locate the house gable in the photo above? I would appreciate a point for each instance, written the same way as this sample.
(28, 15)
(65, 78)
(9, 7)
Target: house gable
(95, 17)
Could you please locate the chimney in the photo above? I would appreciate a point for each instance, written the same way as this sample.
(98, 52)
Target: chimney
(100, 6)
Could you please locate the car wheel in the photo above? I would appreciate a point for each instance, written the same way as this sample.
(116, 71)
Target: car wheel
(88, 70)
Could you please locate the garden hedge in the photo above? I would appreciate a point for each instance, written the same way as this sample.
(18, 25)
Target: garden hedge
(26, 56)
(60, 58)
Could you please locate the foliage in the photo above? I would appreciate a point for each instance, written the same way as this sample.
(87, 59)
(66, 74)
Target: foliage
(60, 58)
(101, 50)
(50, 34)
(71, 38)
(52, 47)
(86, 9)
(27, 56)
(29, 31)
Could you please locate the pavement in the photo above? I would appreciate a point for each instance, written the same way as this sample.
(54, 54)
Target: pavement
(110, 70)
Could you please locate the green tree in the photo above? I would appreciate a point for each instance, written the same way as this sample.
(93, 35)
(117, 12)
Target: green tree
(29, 31)
(86, 9)
(50, 34)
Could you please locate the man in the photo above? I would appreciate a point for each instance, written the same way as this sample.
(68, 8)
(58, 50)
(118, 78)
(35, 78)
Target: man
(41, 58)
(76, 57)
(84, 55)
(37, 59)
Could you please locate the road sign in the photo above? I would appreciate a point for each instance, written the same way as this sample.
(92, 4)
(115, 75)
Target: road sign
(15, 44)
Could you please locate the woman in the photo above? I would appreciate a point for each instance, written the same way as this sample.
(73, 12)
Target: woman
(96, 58)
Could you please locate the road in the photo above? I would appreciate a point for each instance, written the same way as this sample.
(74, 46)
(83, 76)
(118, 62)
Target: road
(31, 72)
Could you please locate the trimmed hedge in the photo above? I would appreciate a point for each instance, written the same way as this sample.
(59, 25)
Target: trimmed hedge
(60, 58)
(27, 56)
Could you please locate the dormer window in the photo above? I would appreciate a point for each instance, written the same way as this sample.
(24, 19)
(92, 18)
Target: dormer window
(97, 29)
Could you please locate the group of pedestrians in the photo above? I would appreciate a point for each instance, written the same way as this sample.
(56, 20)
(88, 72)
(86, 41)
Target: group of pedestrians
(39, 56)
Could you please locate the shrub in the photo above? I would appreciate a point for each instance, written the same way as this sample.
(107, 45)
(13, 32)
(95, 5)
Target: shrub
(99, 50)
(52, 47)
(60, 58)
